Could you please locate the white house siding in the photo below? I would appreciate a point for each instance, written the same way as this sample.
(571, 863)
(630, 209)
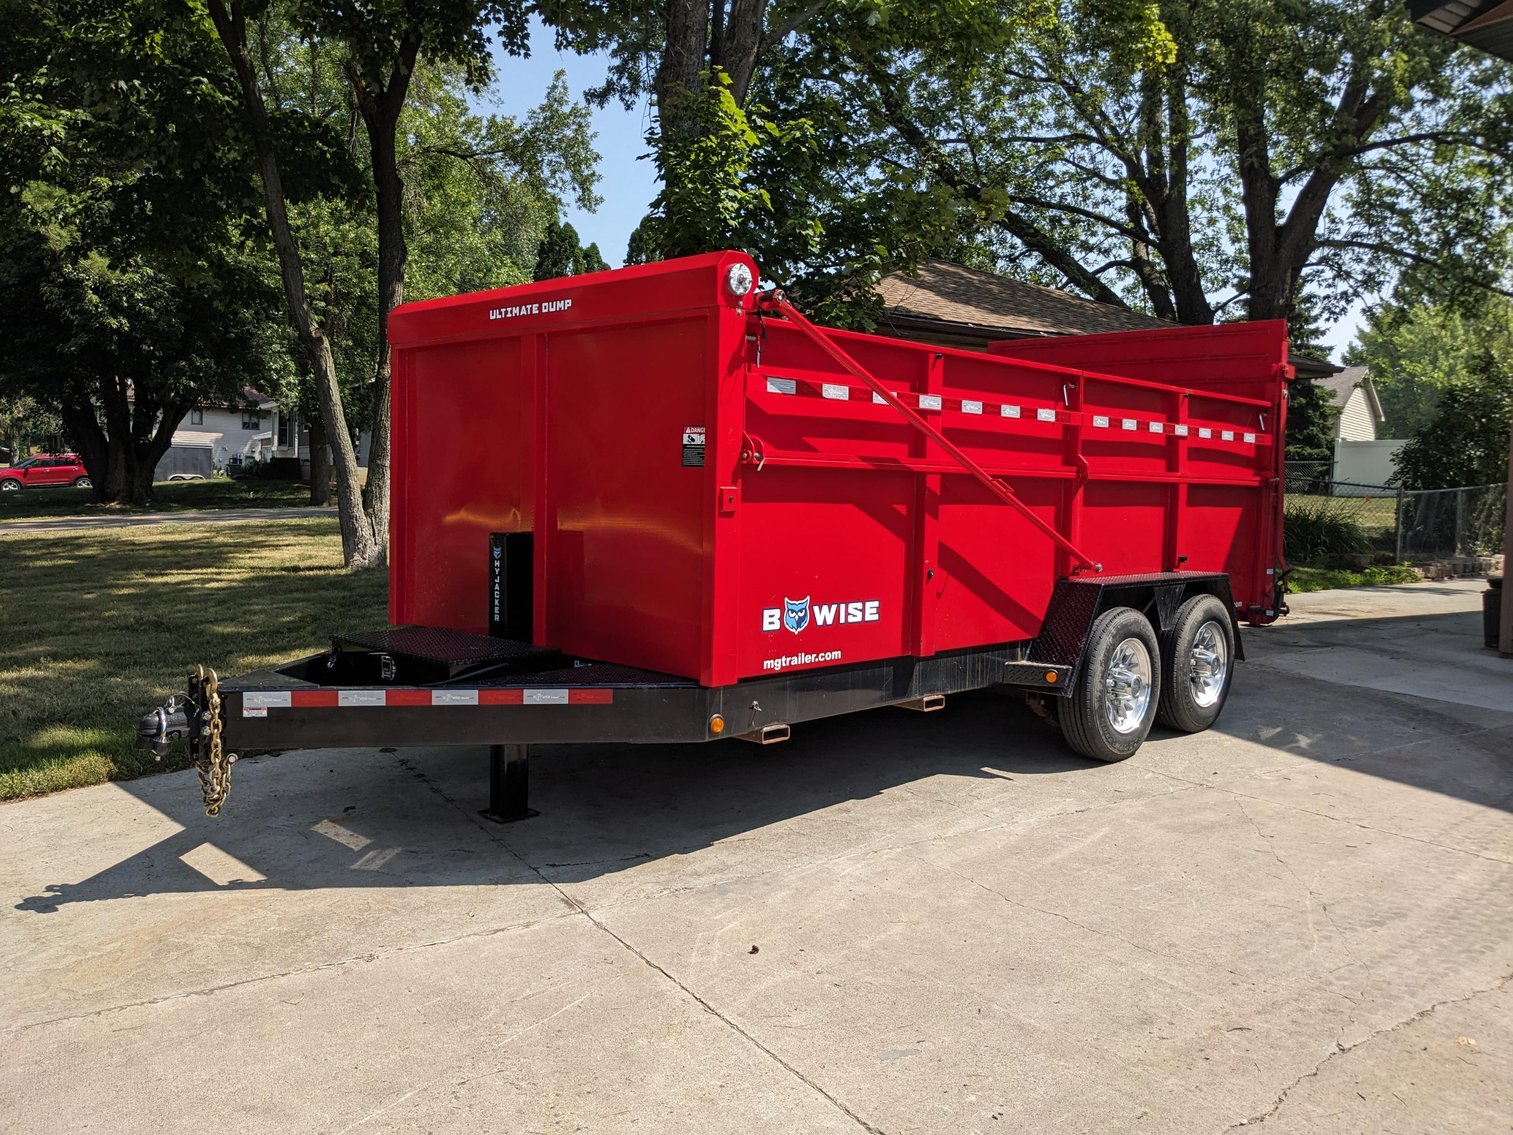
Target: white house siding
(230, 436)
(1356, 422)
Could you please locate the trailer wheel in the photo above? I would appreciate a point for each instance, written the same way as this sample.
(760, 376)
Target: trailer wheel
(1114, 701)
(1197, 659)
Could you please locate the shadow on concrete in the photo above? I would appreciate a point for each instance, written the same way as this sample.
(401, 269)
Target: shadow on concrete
(340, 818)
(336, 818)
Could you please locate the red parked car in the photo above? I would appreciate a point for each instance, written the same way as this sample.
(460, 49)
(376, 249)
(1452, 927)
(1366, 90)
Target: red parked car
(45, 469)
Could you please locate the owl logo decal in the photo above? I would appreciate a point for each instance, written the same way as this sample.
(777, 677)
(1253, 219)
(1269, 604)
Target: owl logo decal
(796, 613)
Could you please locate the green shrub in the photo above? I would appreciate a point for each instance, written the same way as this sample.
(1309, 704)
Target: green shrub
(1316, 532)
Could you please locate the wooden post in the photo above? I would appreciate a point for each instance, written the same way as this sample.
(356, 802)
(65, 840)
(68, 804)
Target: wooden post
(1505, 628)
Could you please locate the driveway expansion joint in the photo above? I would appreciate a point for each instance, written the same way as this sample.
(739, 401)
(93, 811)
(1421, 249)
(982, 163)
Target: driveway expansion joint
(578, 908)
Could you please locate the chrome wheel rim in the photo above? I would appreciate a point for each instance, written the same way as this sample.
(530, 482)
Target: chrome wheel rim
(8, 486)
(1208, 664)
(1127, 684)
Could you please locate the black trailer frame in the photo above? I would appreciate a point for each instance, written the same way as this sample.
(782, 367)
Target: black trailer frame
(422, 686)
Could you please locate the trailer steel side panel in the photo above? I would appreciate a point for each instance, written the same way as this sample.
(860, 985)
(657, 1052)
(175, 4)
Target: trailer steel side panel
(712, 496)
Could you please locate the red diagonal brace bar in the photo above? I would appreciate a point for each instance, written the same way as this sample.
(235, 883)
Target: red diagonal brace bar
(776, 302)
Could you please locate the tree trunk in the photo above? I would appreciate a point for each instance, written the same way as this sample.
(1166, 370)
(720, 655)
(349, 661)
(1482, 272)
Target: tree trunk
(320, 465)
(122, 455)
(361, 548)
(740, 42)
(684, 56)
(380, 109)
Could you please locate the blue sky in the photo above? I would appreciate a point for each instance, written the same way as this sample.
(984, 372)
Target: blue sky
(627, 178)
(626, 183)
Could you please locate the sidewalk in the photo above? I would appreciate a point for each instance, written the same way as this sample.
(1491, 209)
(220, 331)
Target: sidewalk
(143, 519)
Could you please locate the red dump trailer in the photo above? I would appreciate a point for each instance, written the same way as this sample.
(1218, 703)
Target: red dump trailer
(658, 505)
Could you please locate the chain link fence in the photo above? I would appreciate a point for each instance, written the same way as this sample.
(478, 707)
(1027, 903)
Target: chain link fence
(1441, 524)
(1415, 525)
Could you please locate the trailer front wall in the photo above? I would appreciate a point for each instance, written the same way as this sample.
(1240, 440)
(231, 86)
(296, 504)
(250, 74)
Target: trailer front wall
(461, 447)
(624, 530)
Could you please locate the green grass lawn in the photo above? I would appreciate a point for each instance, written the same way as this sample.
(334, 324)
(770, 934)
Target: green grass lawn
(169, 496)
(1326, 579)
(97, 628)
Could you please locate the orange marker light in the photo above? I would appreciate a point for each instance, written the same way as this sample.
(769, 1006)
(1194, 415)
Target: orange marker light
(717, 724)
(1050, 677)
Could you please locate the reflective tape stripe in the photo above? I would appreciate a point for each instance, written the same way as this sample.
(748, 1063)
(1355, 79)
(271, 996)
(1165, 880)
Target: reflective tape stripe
(835, 392)
(970, 407)
(1045, 415)
(929, 401)
(1180, 431)
(1128, 423)
(782, 386)
(1100, 421)
(1155, 427)
(1009, 411)
(257, 703)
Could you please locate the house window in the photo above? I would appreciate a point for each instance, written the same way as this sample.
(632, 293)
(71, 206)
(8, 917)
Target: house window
(285, 438)
(196, 417)
(252, 420)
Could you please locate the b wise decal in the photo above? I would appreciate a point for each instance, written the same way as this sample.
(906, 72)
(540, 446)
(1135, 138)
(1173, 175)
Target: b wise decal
(796, 614)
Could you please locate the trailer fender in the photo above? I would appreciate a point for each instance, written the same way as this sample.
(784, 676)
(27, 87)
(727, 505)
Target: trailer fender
(1078, 601)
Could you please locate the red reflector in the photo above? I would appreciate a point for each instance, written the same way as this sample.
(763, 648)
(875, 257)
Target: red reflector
(590, 697)
(408, 697)
(501, 697)
(312, 699)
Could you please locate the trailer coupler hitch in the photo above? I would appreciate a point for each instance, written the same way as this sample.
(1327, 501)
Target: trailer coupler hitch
(196, 717)
(159, 729)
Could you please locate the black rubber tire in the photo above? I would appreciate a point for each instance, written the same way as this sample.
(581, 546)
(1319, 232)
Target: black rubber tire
(1179, 708)
(1084, 718)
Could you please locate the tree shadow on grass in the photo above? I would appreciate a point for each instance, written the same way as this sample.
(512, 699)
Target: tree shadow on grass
(100, 627)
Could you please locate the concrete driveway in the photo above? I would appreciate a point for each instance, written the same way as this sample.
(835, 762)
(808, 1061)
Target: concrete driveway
(1301, 921)
(146, 519)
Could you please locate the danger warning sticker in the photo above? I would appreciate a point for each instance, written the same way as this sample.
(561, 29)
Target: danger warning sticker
(693, 446)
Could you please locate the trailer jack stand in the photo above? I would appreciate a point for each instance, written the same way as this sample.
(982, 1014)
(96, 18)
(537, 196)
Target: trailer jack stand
(509, 785)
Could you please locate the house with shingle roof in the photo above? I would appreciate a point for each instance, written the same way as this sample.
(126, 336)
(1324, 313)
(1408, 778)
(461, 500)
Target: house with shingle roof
(950, 305)
(1360, 409)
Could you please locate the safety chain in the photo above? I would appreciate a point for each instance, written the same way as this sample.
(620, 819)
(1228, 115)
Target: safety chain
(210, 758)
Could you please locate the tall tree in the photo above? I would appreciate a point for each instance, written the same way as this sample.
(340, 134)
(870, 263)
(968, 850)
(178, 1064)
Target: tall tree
(698, 59)
(128, 291)
(363, 544)
(126, 348)
(1224, 159)
(1416, 347)
(381, 50)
